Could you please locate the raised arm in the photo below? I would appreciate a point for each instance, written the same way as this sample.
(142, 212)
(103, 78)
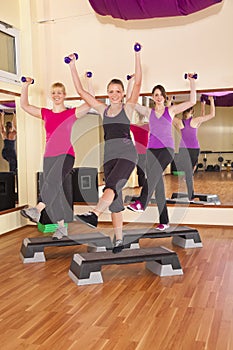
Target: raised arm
(24, 103)
(143, 110)
(2, 122)
(205, 117)
(137, 81)
(179, 108)
(14, 122)
(85, 95)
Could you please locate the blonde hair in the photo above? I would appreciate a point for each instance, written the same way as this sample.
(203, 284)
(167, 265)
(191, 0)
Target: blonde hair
(59, 85)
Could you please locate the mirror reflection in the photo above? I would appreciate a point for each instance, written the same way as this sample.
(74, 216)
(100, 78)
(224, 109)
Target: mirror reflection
(8, 163)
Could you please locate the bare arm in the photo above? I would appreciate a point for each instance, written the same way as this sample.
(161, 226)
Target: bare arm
(14, 122)
(135, 90)
(2, 123)
(85, 95)
(177, 122)
(24, 103)
(196, 122)
(83, 109)
(179, 108)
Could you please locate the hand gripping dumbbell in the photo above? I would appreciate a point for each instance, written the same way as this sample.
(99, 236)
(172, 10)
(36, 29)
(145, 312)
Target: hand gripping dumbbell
(67, 59)
(24, 79)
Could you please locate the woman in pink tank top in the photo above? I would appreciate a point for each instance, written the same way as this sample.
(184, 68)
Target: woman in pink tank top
(58, 157)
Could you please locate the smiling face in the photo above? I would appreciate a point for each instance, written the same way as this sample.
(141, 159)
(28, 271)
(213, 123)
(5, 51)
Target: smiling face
(115, 91)
(159, 95)
(58, 93)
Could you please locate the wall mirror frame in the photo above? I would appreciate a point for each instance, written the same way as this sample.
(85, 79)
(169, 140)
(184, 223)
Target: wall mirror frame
(215, 185)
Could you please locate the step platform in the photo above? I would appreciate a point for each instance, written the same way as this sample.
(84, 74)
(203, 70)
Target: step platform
(204, 198)
(182, 236)
(85, 268)
(32, 249)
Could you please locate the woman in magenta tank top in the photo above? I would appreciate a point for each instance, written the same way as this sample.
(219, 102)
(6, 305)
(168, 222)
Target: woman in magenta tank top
(58, 156)
(189, 147)
(160, 149)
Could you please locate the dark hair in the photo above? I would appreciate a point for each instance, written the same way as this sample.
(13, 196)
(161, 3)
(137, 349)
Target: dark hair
(116, 81)
(8, 127)
(191, 109)
(162, 89)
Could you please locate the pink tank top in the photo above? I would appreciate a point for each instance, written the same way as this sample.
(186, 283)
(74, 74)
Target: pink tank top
(58, 127)
(140, 133)
(160, 130)
(188, 135)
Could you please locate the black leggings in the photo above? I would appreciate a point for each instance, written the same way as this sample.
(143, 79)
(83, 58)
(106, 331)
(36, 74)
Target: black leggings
(52, 192)
(188, 158)
(156, 162)
(10, 156)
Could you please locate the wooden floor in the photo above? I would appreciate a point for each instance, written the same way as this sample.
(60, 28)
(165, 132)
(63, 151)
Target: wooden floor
(42, 308)
(220, 183)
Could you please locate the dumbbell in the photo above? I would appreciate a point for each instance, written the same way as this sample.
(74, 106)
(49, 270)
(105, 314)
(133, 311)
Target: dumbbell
(137, 47)
(128, 77)
(88, 74)
(194, 76)
(67, 59)
(24, 79)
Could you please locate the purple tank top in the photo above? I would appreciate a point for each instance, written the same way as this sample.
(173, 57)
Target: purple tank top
(188, 135)
(160, 130)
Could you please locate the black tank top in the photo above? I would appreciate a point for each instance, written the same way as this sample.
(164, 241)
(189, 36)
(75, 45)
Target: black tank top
(118, 142)
(9, 144)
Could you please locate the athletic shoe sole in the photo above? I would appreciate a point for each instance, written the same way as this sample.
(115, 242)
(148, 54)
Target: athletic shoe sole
(84, 222)
(135, 210)
(22, 212)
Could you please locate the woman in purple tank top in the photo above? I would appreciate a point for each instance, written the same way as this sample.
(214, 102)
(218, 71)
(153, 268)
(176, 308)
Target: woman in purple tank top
(58, 156)
(160, 149)
(189, 147)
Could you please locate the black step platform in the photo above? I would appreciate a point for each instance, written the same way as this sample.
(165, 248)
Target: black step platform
(205, 198)
(183, 236)
(85, 268)
(32, 249)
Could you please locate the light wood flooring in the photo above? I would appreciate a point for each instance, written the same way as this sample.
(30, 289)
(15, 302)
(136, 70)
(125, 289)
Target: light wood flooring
(220, 183)
(42, 308)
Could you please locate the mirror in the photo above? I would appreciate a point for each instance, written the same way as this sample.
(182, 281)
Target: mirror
(8, 155)
(214, 175)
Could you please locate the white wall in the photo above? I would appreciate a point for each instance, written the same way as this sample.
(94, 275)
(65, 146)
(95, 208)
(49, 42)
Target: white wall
(171, 46)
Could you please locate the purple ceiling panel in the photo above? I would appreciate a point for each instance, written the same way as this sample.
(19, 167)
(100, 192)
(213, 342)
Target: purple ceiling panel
(143, 9)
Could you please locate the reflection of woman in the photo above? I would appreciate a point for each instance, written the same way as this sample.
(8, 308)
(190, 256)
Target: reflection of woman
(140, 132)
(160, 149)
(8, 132)
(119, 152)
(58, 157)
(189, 145)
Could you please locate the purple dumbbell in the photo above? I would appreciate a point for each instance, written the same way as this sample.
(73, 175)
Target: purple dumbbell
(194, 76)
(67, 59)
(128, 77)
(24, 79)
(137, 47)
(89, 74)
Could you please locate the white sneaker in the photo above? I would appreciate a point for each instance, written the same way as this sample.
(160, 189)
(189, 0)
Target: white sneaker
(162, 227)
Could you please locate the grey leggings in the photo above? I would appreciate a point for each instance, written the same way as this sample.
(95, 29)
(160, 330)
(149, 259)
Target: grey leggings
(52, 193)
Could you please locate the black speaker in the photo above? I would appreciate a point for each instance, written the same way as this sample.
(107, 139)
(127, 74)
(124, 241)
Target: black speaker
(7, 190)
(67, 186)
(85, 185)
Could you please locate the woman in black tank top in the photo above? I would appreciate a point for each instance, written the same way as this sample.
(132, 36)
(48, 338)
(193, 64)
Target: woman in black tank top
(8, 132)
(120, 154)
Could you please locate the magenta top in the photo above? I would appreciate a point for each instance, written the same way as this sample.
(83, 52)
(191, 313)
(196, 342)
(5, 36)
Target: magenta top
(140, 133)
(160, 130)
(188, 135)
(58, 127)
